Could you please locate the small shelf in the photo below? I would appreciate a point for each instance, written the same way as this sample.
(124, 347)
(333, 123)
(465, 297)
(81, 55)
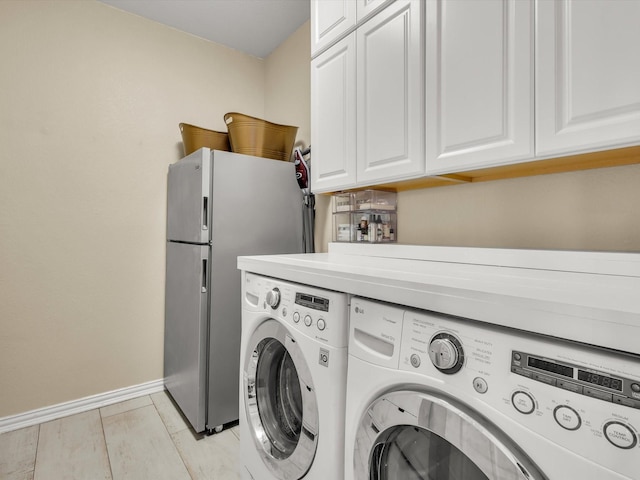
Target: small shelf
(571, 163)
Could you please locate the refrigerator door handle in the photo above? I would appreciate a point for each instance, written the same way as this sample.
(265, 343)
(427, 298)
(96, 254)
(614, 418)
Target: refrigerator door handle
(204, 276)
(205, 213)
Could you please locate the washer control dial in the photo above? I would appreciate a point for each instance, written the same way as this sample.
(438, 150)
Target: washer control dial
(567, 417)
(446, 353)
(620, 435)
(321, 324)
(307, 320)
(523, 402)
(273, 298)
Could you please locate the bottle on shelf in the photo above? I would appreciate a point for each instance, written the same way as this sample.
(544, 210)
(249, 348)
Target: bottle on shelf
(364, 230)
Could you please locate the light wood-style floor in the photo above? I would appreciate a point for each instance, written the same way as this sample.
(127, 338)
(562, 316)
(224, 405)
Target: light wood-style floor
(143, 438)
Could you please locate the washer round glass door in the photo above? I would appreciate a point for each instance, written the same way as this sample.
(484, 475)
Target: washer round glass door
(418, 436)
(281, 405)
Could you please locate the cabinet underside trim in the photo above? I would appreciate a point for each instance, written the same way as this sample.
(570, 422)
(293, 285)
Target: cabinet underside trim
(586, 161)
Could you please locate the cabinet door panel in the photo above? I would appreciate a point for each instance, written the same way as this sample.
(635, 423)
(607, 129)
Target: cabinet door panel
(588, 75)
(367, 8)
(333, 117)
(479, 83)
(390, 81)
(329, 20)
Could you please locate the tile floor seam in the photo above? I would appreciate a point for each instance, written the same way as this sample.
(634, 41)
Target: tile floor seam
(186, 426)
(186, 467)
(35, 460)
(106, 445)
(120, 413)
(173, 442)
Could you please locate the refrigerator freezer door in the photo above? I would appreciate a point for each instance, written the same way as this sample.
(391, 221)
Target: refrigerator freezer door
(186, 324)
(256, 210)
(188, 198)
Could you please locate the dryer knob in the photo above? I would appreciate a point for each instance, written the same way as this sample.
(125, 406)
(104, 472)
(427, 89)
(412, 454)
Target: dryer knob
(273, 298)
(445, 352)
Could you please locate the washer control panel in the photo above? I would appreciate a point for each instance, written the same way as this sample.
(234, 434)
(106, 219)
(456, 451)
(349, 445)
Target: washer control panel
(582, 398)
(312, 301)
(317, 313)
(575, 378)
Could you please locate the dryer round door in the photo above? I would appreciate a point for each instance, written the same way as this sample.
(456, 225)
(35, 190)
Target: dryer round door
(419, 436)
(280, 401)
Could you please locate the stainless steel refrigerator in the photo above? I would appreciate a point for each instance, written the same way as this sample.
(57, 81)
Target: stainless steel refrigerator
(219, 205)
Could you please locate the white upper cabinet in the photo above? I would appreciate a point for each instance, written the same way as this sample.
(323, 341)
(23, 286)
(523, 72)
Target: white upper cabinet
(330, 19)
(366, 8)
(333, 117)
(588, 75)
(367, 102)
(422, 88)
(479, 83)
(389, 94)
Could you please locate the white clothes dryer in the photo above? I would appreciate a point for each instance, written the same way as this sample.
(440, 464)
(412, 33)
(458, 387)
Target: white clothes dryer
(292, 380)
(431, 396)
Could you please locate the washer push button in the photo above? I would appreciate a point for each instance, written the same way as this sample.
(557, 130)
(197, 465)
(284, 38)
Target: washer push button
(480, 385)
(627, 402)
(572, 387)
(544, 379)
(592, 392)
(415, 360)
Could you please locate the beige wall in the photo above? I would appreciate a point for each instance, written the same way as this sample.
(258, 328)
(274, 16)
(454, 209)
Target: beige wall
(288, 100)
(287, 84)
(90, 101)
(587, 210)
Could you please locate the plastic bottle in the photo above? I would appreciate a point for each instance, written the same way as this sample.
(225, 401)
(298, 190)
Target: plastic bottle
(386, 231)
(364, 230)
(372, 229)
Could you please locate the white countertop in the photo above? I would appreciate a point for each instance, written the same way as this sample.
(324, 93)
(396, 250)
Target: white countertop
(584, 296)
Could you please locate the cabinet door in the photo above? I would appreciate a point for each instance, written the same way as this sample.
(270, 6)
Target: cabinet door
(390, 100)
(479, 83)
(329, 20)
(333, 117)
(366, 8)
(588, 75)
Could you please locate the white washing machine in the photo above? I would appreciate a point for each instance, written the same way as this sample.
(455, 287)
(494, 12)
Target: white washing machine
(292, 381)
(443, 398)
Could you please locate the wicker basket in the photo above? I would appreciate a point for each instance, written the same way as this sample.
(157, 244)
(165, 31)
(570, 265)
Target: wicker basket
(254, 136)
(195, 138)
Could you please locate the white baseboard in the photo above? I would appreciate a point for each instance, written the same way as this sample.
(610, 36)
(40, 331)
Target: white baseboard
(46, 414)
